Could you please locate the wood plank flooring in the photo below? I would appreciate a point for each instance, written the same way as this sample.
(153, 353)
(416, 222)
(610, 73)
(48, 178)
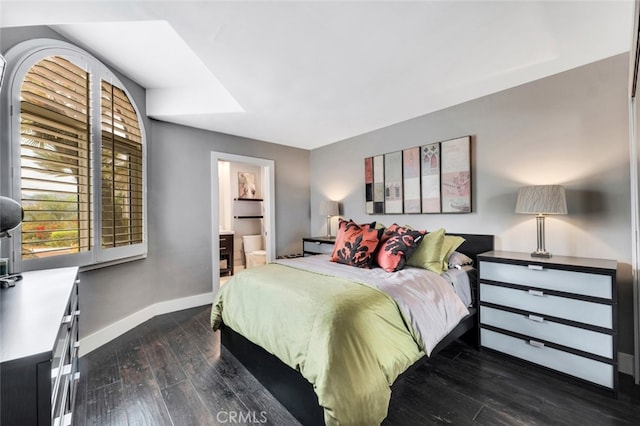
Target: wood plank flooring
(168, 371)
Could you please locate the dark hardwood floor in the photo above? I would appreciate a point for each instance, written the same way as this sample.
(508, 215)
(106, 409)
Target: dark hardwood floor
(168, 371)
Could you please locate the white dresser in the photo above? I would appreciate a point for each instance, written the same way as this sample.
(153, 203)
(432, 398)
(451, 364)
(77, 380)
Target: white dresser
(559, 313)
(317, 245)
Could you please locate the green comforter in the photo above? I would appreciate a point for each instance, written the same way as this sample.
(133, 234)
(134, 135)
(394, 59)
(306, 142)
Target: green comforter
(347, 339)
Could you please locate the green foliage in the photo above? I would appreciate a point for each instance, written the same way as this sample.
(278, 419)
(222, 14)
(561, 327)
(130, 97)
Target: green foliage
(51, 217)
(63, 239)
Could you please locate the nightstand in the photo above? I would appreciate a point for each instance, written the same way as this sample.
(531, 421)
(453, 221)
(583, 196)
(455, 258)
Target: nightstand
(559, 313)
(317, 245)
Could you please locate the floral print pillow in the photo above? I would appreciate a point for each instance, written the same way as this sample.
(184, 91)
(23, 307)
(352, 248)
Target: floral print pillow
(355, 244)
(397, 245)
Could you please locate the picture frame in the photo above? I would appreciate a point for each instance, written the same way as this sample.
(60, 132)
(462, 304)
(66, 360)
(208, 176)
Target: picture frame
(430, 178)
(393, 187)
(411, 180)
(455, 175)
(434, 178)
(368, 185)
(378, 184)
(246, 185)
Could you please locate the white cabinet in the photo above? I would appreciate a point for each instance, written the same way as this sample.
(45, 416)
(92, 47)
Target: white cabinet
(559, 313)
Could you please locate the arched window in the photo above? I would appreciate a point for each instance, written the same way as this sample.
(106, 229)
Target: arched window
(78, 142)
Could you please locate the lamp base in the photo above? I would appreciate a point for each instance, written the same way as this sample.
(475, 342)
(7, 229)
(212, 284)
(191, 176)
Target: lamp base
(544, 254)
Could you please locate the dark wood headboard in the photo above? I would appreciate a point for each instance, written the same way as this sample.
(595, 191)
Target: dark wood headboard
(475, 244)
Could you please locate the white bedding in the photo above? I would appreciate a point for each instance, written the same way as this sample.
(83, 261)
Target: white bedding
(427, 301)
(459, 279)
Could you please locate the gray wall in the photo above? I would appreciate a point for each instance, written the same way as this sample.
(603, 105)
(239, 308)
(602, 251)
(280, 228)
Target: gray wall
(570, 129)
(179, 217)
(179, 212)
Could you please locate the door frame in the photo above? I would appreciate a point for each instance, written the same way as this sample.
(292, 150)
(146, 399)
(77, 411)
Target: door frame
(269, 222)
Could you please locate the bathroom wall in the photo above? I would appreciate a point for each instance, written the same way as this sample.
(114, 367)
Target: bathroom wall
(243, 226)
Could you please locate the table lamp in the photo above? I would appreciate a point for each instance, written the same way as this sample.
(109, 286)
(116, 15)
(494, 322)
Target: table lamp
(329, 208)
(541, 200)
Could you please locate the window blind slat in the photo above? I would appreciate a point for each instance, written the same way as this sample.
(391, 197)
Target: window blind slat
(56, 162)
(51, 95)
(66, 125)
(54, 72)
(55, 159)
(121, 165)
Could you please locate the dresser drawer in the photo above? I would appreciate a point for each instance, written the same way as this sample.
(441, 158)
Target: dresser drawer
(317, 247)
(583, 283)
(539, 328)
(597, 314)
(574, 365)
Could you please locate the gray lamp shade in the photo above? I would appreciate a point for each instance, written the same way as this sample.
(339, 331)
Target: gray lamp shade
(10, 215)
(541, 199)
(329, 208)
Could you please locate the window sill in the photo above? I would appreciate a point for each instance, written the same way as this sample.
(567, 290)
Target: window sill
(112, 263)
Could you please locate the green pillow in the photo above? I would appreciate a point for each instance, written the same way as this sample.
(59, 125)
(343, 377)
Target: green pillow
(449, 245)
(428, 253)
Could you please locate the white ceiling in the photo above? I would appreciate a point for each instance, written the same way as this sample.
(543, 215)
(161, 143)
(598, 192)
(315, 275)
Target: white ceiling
(307, 74)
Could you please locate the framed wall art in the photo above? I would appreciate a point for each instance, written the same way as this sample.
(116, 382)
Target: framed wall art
(368, 185)
(378, 184)
(455, 186)
(246, 185)
(411, 179)
(432, 178)
(393, 182)
(430, 164)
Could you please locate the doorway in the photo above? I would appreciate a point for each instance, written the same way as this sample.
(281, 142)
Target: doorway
(266, 176)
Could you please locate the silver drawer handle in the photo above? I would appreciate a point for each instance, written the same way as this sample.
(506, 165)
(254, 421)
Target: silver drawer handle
(536, 318)
(66, 369)
(68, 318)
(536, 344)
(536, 293)
(535, 267)
(63, 370)
(65, 420)
(316, 242)
(223, 248)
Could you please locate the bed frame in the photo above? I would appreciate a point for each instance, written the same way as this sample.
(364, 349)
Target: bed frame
(294, 391)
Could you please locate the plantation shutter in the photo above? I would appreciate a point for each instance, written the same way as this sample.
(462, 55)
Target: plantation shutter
(55, 158)
(122, 185)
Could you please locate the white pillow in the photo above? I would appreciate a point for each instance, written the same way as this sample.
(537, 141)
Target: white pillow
(458, 259)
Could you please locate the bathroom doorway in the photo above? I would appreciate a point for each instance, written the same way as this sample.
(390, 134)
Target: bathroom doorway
(242, 200)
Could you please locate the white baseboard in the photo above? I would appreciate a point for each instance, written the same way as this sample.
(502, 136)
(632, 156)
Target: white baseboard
(625, 363)
(118, 328)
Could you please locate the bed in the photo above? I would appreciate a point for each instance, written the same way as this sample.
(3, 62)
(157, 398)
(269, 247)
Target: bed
(338, 368)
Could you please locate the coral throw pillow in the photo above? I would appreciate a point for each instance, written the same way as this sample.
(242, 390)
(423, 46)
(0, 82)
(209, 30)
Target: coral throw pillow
(398, 244)
(355, 244)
